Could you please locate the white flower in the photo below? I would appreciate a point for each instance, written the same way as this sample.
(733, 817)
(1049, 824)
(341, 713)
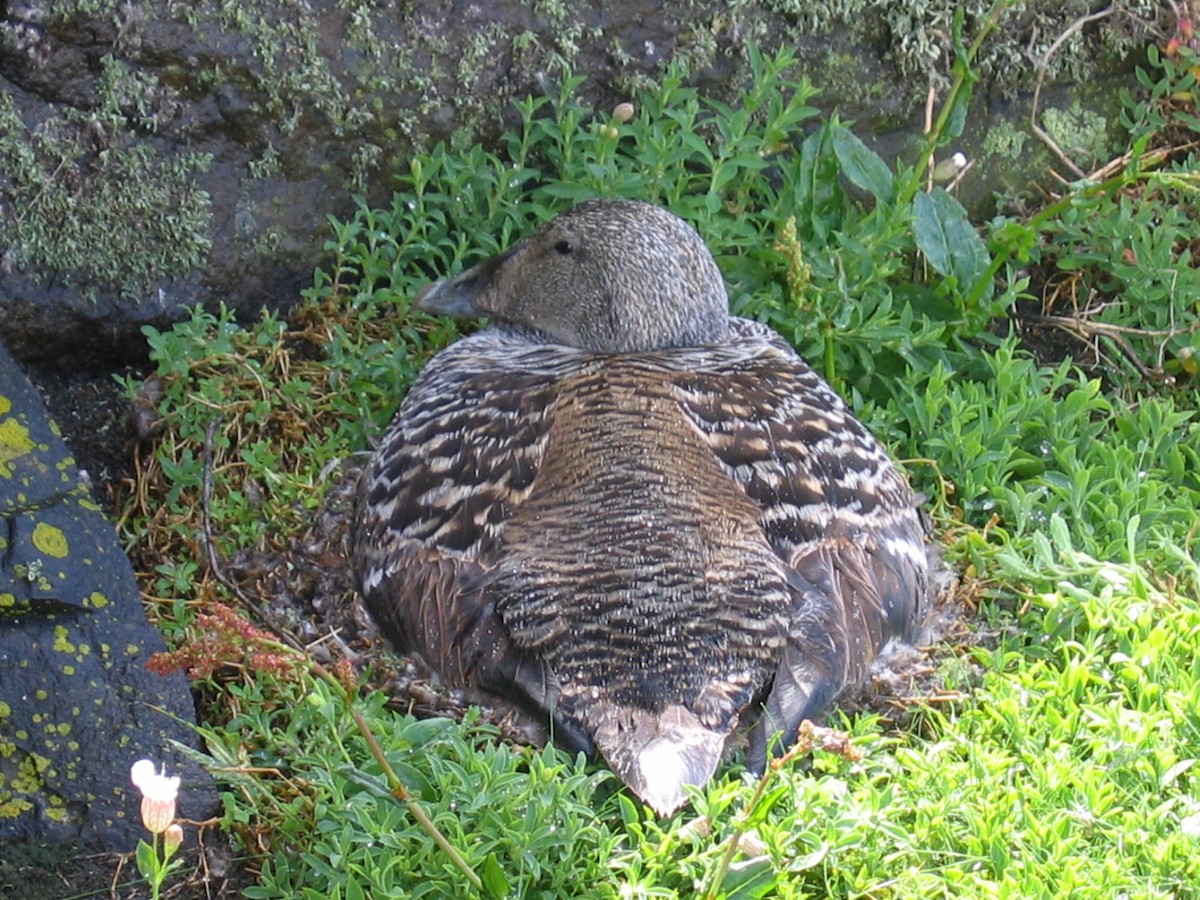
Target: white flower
(158, 795)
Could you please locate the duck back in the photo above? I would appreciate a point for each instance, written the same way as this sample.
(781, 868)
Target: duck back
(639, 548)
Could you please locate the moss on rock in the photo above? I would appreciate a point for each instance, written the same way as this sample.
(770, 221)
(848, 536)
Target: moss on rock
(163, 152)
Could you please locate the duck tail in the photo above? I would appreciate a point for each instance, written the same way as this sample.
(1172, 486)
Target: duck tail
(656, 754)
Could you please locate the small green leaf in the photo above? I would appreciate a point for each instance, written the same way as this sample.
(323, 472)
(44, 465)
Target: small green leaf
(147, 863)
(494, 881)
(1061, 534)
(862, 165)
(811, 859)
(956, 35)
(629, 812)
(1015, 238)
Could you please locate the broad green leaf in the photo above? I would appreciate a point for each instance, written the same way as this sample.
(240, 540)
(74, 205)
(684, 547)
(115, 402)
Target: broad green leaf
(750, 879)
(819, 197)
(862, 165)
(147, 861)
(958, 114)
(946, 237)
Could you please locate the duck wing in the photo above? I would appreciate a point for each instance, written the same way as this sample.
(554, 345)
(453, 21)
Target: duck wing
(833, 507)
(462, 452)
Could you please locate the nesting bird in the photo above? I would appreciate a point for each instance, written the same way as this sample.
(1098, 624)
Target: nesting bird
(643, 520)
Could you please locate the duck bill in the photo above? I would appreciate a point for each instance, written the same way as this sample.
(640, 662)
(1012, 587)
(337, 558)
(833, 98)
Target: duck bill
(465, 295)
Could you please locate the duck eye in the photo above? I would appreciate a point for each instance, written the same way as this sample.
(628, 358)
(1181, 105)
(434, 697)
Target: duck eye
(563, 247)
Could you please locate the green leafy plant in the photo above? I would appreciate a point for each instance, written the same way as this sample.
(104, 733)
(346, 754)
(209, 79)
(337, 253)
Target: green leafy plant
(1117, 257)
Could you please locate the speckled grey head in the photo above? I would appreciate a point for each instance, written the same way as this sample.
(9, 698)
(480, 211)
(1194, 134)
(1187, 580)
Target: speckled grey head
(611, 276)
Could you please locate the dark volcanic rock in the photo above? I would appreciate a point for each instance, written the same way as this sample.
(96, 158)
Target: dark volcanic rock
(77, 706)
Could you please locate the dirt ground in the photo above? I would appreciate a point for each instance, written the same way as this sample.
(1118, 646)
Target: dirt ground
(60, 872)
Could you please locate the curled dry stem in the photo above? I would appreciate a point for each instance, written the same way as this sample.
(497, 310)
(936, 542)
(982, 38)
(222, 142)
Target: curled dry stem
(1043, 63)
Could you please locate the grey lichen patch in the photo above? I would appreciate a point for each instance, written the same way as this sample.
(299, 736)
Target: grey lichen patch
(844, 74)
(81, 195)
(698, 47)
(530, 57)
(477, 56)
(918, 34)
(1080, 133)
(369, 71)
(295, 75)
(1005, 140)
(267, 163)
(814, 18)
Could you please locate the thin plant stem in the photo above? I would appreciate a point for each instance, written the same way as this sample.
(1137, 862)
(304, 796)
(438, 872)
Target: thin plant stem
(827, 353)
(156, 882)
(804, 744)
(396, 787)
(962, 73)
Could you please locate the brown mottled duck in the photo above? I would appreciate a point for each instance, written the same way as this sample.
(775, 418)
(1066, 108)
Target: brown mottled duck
(638, 517)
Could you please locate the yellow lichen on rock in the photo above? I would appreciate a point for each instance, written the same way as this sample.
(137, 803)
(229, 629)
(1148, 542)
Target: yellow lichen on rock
(25, 782)
(14, 443)
(50, 540)
(62, 643)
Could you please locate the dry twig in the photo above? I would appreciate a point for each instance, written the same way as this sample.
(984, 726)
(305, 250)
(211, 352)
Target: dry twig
(1043, 63)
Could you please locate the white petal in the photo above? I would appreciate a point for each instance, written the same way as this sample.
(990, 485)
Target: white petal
(141, 772)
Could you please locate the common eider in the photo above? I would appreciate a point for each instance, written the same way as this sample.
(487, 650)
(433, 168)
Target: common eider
(643, 520)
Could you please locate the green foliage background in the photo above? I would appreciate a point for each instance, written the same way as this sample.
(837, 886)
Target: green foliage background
(1066, 497)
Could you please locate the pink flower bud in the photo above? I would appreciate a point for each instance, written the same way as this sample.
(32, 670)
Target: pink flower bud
(157, 815)
(172, 838)
(622, 113)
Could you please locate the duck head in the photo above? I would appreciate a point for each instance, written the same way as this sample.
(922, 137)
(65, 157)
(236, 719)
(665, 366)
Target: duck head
(609, 276)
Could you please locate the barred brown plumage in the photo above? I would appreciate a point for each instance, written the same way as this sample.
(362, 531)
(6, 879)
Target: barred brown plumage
(631, 513)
